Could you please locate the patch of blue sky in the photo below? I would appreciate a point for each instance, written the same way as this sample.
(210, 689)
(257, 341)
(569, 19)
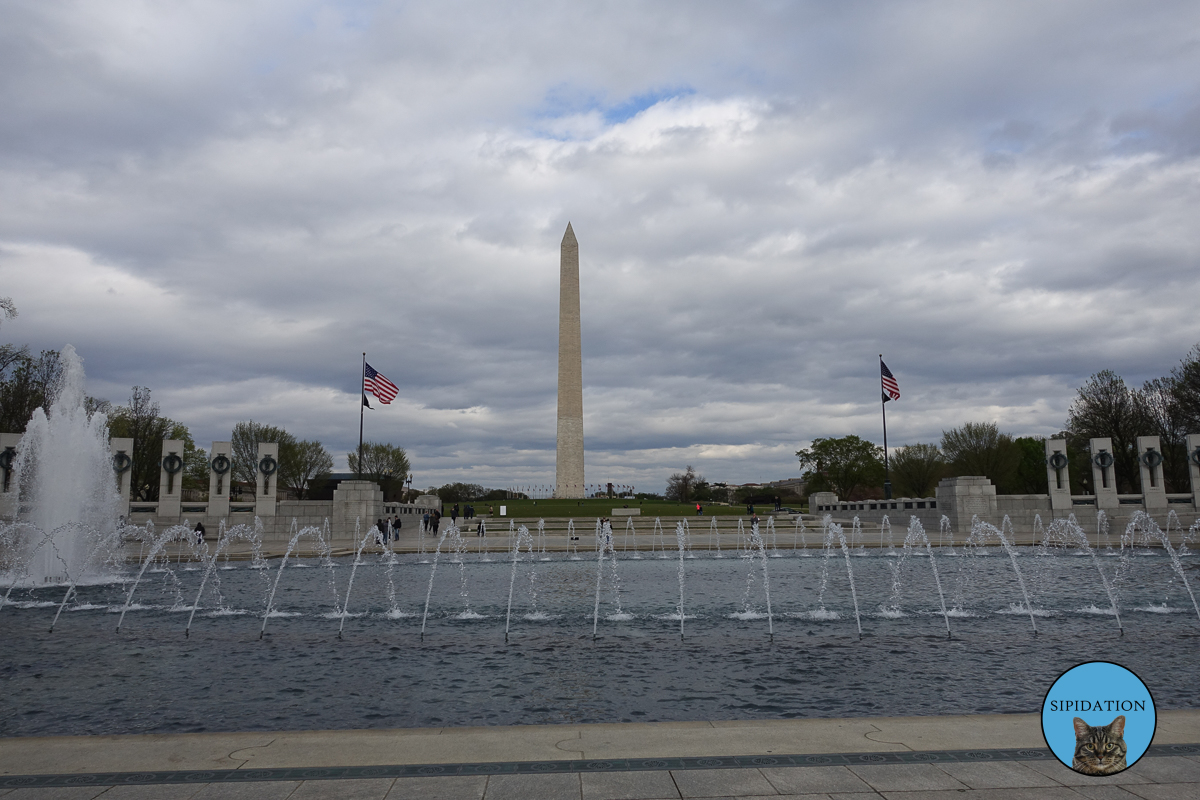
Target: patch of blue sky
(639, 103)
(564, 101)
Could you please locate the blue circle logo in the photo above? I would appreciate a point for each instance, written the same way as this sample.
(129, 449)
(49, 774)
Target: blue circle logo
(1098, 718)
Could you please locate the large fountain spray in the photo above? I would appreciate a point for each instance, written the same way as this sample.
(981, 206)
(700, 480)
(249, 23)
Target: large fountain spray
(67, 494)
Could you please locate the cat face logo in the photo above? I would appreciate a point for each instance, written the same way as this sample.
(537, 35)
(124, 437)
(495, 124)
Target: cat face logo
(1099, 750)
(1098, 718)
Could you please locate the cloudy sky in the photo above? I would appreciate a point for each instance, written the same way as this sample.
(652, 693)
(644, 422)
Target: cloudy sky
(229, 201)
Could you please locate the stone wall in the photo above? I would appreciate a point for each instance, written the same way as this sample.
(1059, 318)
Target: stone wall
(962, 498)
(353, 501)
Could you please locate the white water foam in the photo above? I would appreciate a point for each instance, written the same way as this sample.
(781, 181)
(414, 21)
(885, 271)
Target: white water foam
(1094, 609)
(1163, 609)
(819, 614)
(469, 615)
(1019, 608)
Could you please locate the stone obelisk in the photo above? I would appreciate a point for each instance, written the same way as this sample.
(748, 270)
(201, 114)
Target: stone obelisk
(568, 469)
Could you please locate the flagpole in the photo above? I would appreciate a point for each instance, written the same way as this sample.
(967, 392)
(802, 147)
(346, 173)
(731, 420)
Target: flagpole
(887, 480)
(362, 402)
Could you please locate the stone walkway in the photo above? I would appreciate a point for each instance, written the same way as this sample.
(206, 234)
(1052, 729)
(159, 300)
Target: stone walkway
(1152, 778)
(895, 758)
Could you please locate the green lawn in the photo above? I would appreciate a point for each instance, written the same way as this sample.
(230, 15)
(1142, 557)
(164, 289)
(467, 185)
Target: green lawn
(603, 508)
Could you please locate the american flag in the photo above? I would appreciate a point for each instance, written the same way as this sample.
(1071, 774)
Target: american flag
(378, 385)
(891, 389)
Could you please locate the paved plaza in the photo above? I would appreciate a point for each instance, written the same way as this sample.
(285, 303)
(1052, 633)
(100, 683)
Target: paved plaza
(992, 757)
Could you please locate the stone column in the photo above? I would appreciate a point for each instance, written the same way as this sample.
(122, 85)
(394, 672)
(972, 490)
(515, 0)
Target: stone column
(358, 502)
(122, 454)
(1154, 493)
(965, 497)
(267, 486)
(1104, 476)
(1193, 454)
(1057, 475)
(220, 474)
(8, 475)
(568, 468)
(819, 500)
(170, 479)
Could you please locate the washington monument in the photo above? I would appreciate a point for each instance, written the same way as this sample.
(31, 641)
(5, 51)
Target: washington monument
(568, 468)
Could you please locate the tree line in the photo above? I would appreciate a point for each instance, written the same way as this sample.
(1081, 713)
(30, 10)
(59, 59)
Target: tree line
(28, 382)
(1104, 407)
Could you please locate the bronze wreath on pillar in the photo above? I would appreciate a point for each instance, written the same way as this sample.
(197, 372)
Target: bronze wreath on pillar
(1058, 461)
(267, 467)
(121, 462)
(1152, 458)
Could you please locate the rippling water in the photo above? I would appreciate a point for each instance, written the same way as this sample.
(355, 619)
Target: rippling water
(86, 678)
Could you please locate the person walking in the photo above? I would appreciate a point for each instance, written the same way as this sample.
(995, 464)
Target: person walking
(425, 523)
(454, 514)
(436, 521)
(699, 510)
(199, 533)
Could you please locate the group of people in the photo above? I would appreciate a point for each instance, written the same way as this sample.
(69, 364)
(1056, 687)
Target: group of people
(468, 512)
(387, 530)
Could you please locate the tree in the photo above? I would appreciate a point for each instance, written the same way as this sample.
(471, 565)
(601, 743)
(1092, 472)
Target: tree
(25, 384)
(245, 440)
(916, 469)
(1030, 476)
(142, 422)
(1161, 414)
(306, 465)
(979, 448)
(842, 465)
(1105, 408)
(384, 463)
(461, 492)
(302, 464)
(681, 486)
(1185, 386)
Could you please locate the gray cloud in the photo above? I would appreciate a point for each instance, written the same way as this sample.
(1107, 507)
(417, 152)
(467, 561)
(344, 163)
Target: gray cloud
(230, 204)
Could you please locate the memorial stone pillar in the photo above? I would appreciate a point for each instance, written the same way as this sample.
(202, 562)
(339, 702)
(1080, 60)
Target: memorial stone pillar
(170, 479)
(1193, 456)
(1057, 474)
(1154, 492)
(122, 461)
(268, 477)
(965, 497)
(8, 474)
(356, 506)
(220, 464)
(1104, 476)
